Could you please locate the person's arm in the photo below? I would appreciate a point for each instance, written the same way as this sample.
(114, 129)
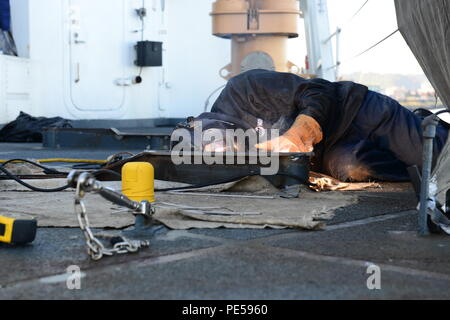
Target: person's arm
(317, 98)
(301, 137)
(314, 100)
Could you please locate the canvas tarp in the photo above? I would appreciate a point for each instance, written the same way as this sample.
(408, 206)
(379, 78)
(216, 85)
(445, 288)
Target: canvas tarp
(249, 203)
(425, 25)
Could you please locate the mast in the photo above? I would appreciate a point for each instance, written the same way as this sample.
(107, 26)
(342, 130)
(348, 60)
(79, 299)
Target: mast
(318, 39)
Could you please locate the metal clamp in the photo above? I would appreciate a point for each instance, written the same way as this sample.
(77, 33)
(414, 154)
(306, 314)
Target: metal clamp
(84, 182)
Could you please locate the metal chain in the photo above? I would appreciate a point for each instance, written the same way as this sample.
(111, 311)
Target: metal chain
(95, 247)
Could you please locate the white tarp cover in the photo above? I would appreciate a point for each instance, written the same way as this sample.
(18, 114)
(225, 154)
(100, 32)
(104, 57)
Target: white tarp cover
(425, 25)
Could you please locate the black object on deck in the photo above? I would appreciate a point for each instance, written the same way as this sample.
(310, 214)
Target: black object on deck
(292, 168)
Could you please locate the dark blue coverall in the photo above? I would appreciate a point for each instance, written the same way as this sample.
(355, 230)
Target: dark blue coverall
(5, 15)
(383, 140)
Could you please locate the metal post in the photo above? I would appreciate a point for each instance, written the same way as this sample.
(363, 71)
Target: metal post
(317, 27)
(429, 125)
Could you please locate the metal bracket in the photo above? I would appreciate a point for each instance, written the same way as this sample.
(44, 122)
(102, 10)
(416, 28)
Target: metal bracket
(89, 183)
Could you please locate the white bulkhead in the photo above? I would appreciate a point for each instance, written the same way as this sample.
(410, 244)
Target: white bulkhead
(77, 59)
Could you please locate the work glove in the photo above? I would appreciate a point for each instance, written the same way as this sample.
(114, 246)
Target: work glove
(301, 137)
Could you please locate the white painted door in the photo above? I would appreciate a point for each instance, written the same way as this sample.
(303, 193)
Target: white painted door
(97, 54)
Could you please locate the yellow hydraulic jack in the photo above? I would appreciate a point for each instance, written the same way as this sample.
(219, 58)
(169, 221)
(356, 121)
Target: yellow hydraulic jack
(138, 196)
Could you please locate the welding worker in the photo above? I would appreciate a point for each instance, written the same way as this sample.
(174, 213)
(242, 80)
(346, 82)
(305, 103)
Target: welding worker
(356, 134)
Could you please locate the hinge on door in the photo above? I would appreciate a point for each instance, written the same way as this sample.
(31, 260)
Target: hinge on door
(77, 79)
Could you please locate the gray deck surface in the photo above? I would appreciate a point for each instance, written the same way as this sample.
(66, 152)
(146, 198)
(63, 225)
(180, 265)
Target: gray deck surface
(241, 264)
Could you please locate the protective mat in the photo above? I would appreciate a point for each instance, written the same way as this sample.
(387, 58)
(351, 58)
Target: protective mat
(257, 205)
(309, 211)
(57, 209)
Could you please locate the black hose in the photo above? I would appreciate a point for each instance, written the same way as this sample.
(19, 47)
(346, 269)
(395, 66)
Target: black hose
(18, 180)
(442, 111)
(47, 170)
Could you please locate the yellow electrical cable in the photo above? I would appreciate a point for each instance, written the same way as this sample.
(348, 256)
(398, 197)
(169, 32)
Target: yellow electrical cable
(63, 160)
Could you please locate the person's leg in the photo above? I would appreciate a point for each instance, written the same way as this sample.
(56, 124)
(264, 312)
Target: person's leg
(362, 160)
(393, 127)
